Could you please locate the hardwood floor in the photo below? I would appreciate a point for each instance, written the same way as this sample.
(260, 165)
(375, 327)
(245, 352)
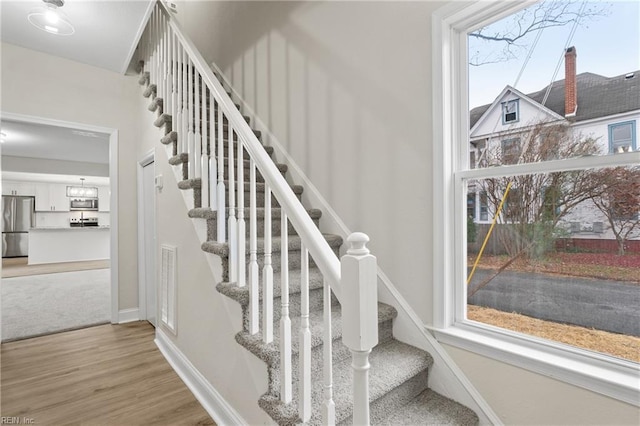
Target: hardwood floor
(17, 267)
(104, 375)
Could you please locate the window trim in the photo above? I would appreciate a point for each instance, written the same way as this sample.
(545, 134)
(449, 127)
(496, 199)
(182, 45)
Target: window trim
(504, 118)
(612, 126)
(599, 373)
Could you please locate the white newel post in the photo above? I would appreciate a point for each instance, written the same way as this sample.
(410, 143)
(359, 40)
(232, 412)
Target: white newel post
(360, 317)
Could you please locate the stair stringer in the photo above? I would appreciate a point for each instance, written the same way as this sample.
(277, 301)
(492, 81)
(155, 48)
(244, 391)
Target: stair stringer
(445, 377)
(223, 386)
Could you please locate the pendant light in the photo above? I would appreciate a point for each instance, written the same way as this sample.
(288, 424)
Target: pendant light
(51, 19)
(82, 191)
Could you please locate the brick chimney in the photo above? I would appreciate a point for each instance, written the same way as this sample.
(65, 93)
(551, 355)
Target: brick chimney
(570, 85)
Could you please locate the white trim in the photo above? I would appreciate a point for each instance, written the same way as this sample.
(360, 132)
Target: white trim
(113, 183)
(138, 36)
(618, 379)
(608, 118)
(128, 315)
(146, 159)
(451, 371)
(598, 373)
(210, 399)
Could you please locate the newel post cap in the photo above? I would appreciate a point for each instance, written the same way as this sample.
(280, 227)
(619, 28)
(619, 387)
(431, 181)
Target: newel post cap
(357, 242)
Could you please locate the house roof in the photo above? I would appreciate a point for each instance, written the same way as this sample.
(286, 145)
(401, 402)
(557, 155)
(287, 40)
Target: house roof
(598, 96)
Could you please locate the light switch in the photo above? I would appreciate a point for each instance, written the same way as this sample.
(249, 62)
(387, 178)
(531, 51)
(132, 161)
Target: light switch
(159, 183)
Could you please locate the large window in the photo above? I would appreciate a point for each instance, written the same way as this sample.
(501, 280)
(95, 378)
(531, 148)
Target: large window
(547, 195)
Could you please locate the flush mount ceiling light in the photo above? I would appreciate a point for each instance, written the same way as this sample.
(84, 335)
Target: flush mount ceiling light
(51, 19)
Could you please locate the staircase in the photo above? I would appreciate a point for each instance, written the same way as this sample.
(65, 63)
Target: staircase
(398, 377)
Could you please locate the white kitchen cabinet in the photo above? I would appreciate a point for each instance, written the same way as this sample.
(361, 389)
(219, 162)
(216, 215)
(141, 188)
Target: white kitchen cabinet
(18, 188)
(104, 199)
(51, 197)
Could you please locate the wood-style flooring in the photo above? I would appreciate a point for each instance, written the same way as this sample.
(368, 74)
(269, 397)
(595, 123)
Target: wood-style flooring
(104, 375)
(17, 267)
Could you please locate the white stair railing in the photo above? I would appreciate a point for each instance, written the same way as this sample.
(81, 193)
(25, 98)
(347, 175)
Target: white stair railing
(206, 120)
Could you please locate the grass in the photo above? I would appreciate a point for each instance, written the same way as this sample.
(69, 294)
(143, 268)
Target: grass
(618, 345)
(606, 266)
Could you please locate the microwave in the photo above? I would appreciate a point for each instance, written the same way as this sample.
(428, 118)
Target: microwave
(83, 204)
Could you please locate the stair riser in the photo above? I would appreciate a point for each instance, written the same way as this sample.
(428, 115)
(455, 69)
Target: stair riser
(294, 262)
(403, 394)
(276, 227)
(259, 200)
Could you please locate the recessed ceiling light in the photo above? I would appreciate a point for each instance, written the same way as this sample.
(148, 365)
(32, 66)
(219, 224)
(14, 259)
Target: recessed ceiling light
(51, 19)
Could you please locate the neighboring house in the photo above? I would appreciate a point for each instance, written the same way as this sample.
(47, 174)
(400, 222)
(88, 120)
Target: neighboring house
(606, 109)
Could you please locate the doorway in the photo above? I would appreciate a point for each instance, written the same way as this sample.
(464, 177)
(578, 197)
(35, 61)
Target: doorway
(147, 277)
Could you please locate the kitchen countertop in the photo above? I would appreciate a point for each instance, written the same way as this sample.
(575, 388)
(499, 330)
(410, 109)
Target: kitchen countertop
(68, 228)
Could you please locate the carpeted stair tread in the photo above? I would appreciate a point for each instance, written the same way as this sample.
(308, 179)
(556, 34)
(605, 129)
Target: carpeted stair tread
(197, 183)
(170, 137)
(144, 79)
(294, 243)
(155, 104)
(241, 294)
(176, 160)
(392, 364)
(162, 120)
(270, 353)
(276, 212)
(431, 408)
(149, 90)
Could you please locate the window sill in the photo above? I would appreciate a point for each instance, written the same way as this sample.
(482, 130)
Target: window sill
(606, 375)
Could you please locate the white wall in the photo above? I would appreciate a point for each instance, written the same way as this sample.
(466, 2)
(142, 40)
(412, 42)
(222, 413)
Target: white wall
(41, 85)
(345, 87)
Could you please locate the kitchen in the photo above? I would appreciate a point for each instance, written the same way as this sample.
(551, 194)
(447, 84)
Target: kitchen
(55, 194)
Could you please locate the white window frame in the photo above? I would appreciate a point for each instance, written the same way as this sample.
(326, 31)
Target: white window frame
(600, 373)
(506, 122)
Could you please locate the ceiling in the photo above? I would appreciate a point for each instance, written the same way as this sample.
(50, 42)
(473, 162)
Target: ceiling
(106, 31)
(54, 143)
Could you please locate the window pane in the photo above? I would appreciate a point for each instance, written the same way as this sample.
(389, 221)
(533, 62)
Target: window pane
(563, 259)
(622, 132)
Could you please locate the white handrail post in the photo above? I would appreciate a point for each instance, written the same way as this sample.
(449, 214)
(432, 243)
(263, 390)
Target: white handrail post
(360, 317)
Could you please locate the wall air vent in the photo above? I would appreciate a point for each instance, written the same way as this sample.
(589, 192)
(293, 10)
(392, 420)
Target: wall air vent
(168, 279)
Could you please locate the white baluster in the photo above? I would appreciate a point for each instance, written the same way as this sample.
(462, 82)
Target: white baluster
(267, 272)
(221, 187)
(160, 82)
(213, 170)
(174, 82)
(197, 139)
(167, 69)
(242, 248)
(184, 136)
(328, 406)
(254, 307)
(191, 136)
(285, 321)
(304, 380)
(232, 226)
(204, 165)
(360, 317)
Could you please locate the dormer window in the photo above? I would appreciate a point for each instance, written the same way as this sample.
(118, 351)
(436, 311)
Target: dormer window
(510, 111)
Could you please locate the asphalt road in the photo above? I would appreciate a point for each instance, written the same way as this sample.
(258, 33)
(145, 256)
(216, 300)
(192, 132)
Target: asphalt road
(601, 304)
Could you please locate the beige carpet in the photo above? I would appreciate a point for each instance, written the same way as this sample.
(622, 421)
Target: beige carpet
(17, 267)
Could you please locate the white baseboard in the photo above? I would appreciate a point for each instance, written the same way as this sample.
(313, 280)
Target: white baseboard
(128, 315)
(219, 409)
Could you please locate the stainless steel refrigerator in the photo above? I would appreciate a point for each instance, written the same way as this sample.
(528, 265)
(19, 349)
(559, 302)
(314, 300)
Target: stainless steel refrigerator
(17, 218)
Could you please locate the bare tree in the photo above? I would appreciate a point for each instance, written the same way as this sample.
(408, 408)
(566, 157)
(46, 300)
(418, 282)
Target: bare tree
(618, 198)
(512, 35)
(535, 203)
